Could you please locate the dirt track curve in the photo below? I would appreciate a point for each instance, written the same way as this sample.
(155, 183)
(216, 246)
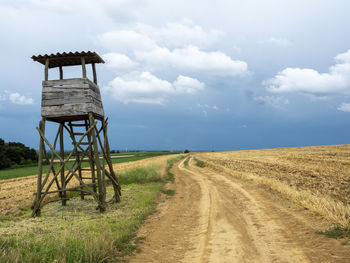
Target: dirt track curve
(216, 218)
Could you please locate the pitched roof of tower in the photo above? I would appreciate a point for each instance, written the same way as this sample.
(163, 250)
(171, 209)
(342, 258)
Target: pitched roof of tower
(68, 59)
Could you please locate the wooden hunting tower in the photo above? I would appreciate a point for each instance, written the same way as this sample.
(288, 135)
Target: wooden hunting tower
(76, 106)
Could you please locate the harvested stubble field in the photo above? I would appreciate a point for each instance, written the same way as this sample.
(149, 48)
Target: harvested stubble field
(17, 194)
(316, 177)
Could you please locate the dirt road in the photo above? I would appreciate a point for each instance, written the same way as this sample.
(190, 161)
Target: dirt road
(214, 217)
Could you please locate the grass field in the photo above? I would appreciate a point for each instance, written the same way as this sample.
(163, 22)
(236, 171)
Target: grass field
(78, 232)
(316, 177)
(33, 169)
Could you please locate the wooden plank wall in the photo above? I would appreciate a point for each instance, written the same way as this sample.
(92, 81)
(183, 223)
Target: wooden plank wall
(70, 97)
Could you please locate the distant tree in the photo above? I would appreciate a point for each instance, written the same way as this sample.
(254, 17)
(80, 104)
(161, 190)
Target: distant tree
(5, 162)
(118, 151)
(113, 151)
(15, 153)
(186, 151)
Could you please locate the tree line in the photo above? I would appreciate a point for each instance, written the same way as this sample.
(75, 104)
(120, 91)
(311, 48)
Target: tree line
(16, 153)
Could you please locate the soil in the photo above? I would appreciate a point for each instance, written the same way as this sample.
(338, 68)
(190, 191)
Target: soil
(214, 217)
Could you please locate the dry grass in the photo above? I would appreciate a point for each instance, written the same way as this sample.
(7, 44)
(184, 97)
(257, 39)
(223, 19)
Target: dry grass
(316, 177)
(15, 193)
(78, 232)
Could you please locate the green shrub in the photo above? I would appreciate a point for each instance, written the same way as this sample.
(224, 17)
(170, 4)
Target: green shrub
(199, 163)
(168, 192)
(336, 232)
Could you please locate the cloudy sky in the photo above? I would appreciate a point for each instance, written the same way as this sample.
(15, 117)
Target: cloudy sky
(203, 75)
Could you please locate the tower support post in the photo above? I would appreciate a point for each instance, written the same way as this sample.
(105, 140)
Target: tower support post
(40, 166)
(91, 159)
(100, 176)
(63, 179)
(83, 66)
(94, 72)
(107, 152)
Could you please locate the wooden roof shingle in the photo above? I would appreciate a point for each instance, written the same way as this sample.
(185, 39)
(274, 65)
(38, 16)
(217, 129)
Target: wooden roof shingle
(68, 59)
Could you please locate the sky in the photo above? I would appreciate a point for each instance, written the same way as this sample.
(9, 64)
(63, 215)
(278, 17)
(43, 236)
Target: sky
(202, 75)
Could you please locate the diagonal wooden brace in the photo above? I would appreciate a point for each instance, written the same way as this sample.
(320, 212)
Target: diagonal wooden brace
(37, 205)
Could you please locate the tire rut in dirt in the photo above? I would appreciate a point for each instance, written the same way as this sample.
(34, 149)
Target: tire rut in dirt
(214, 217)
(250, 235)
(277, 233)
(169, 233)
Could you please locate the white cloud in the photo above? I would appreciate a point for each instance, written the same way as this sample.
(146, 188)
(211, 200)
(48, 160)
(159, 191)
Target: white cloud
(274, 101)
(188, 85)
(148, 89)
(145, 88)
(149, 46)
(146, 37)
(97, 11)
(118, 61)
(343, 57)
(126, 41)
(192, 59)
(344, 107)
(16, 98)
(283, 42)
(310, 81)
(181, 34)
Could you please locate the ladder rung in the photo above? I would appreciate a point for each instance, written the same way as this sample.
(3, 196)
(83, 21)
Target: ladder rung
(78, 133)
(82, 143)
(86, 178)
(85, 169)
(78, 124)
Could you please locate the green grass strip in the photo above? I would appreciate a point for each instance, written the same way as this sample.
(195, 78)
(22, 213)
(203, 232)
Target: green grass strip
(186, 161)
(33, 170)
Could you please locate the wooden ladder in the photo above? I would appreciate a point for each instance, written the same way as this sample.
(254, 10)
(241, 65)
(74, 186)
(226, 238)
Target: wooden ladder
(83, 155)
